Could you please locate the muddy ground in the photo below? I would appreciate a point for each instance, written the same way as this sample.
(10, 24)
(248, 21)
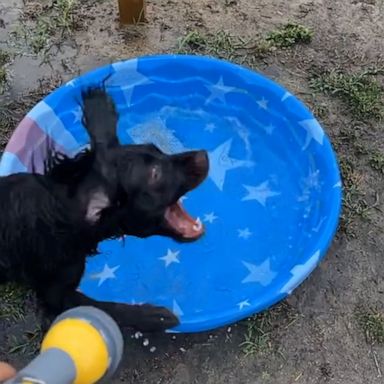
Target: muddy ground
(331, 330)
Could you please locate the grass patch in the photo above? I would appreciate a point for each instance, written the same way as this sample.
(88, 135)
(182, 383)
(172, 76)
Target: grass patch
(354, 203)
(288, 35)
(12, 302)
(4, 60)
(242, 50)
(360, 91)
(372, 324)
(54, 22)
(257, 338)
(376, 161)
(27, 343)
(4, 57)
(7, 124)
(12, 112)
(354, 153)
(222, 45)
(64, 15)
(259, 328)
(3, 79)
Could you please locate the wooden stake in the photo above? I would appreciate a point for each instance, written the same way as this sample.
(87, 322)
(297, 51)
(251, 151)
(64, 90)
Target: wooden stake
(132, 11)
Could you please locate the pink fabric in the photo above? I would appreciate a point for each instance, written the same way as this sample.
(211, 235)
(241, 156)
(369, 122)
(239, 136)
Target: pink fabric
(29, 139)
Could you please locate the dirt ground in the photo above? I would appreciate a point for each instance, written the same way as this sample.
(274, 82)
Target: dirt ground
(331, 330)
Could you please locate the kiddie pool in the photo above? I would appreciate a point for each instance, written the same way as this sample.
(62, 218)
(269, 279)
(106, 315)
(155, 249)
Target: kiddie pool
(271, 202)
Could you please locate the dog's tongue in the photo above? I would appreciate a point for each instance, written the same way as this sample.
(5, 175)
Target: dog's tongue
(182, 223)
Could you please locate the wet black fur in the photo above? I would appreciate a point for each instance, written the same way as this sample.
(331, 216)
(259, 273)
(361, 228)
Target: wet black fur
(46, 230)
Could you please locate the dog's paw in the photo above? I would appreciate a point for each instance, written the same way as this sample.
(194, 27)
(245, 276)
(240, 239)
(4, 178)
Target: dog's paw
(151, 318)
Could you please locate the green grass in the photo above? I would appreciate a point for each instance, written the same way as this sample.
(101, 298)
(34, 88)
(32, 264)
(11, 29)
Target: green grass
(372, 324)
(4, 60)
(360, 91)
(288, 35)
(376, 161)
(38, 39)
(3, 79)
(28, 343)
(354, 153)
(221, 44)
(12, 112)
(13, 305)
(4, 57)
(243, 50)
(354, 202)
(7, 123)
(259, 328)
(49, 28)
(64, 14)
(257, 338)
(12, 302)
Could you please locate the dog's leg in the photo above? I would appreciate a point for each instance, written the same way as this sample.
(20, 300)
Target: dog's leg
(59, 296)
(144, 317)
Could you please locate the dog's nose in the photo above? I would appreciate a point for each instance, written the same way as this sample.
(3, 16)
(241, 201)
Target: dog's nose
(201, 160)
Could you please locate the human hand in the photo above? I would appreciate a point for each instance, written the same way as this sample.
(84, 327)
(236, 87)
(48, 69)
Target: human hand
(6, 371)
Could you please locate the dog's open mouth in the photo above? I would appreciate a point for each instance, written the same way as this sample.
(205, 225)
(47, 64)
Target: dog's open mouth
(182, 223)
(195, 165)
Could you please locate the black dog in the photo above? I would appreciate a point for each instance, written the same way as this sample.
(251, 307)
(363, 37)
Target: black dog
(50, 223)
(146, 182)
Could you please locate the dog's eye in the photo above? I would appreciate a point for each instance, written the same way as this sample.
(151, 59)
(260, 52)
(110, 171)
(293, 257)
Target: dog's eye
(155, 174)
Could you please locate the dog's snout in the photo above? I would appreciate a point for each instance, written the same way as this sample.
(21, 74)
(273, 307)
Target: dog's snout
(201, 160)
(194, 166)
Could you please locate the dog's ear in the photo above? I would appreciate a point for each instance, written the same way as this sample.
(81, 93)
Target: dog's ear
(98, 201)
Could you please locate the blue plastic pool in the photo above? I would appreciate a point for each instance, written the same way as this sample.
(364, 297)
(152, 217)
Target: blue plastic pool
(271, 202)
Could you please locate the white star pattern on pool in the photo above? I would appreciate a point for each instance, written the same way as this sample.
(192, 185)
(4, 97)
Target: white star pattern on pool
(70, 83)
(317, 228)
(105, 274)
(127, 77)
(313, 179)
(262, 274)
(170, 257)
(309, 184)
(221, 163)
(155, 131)
(269, 129)
(176, 309)
(210, 127)
(243, 304)
(286, 95)
(244, 233)
(243, 133)
(299, 271)
(263, 103)
(260, 193)
(78, 114)
(314, 132)
(134, 302)
(210, 217)
(337, 185)
(218, 91)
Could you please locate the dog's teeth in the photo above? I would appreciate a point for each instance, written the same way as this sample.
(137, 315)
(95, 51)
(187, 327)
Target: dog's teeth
(153, 349)
(197, 227)
(138, 335)
(146, 342)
